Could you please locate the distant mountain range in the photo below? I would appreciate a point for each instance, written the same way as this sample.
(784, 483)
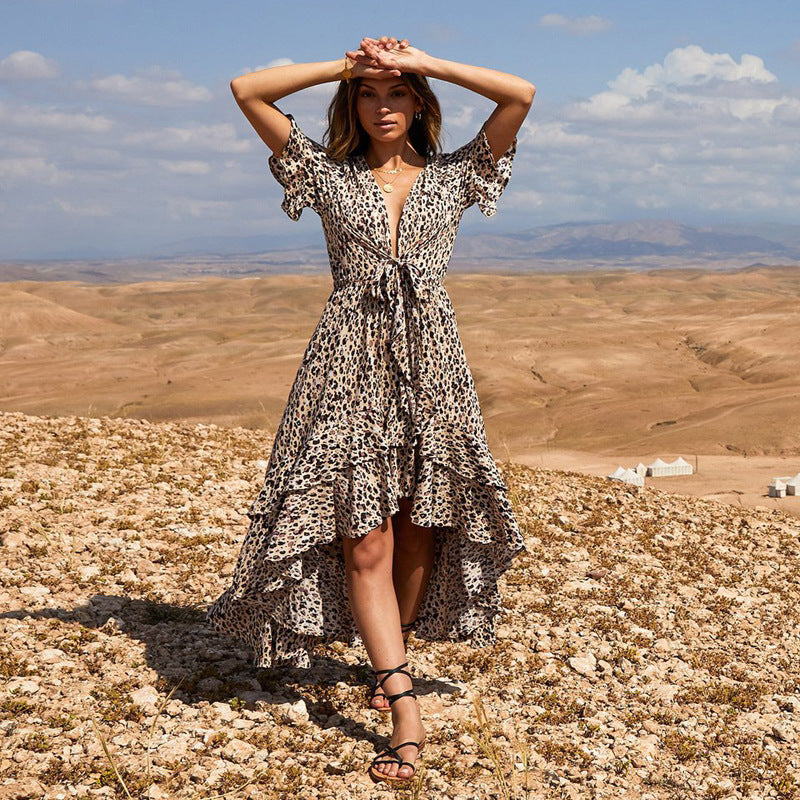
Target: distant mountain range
(625, 240)
(639, 245)
(566, 241)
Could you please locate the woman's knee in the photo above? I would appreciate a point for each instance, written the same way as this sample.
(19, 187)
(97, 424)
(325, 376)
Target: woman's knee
(371, 552)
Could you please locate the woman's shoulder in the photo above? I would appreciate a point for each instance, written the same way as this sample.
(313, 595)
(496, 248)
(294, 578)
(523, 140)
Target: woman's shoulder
(302, 146)
(458, 154)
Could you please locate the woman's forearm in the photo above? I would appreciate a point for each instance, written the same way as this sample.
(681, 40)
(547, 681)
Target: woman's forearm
(502, 87)
(275, 82)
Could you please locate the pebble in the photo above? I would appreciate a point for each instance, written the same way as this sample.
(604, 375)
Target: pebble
(584, 664)
(782, 732)
(238, 751)
(224, 711)
(146, 696)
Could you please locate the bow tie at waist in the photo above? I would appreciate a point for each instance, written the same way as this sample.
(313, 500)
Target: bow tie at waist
(397, 290)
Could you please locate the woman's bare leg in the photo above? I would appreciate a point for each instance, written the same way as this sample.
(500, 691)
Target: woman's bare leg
(368, 566)
(413, 561)
(411, 571)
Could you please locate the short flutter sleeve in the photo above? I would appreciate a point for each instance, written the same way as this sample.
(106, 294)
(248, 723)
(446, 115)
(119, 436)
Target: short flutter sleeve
(484, 179)
(301, 169)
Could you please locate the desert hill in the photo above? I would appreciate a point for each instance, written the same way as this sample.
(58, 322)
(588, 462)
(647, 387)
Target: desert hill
(649, 647)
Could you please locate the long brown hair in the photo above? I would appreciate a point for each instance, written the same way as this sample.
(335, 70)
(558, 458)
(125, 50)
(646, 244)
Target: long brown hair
(346, 136)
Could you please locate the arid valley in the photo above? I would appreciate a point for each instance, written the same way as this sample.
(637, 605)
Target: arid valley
(577, 371)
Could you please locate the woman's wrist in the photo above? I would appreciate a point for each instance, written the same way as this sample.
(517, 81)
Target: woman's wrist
(429, 66)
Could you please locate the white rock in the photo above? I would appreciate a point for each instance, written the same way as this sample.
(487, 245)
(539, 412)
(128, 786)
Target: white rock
(584, 664)
(224, 711)
(34, 592)
(113, 625)
(790, 703)
(23, 686)
(238, 751)
(52, 655)
(88, 572)
(647, 746)
(146, 696)
(295, 712)
(782, 732)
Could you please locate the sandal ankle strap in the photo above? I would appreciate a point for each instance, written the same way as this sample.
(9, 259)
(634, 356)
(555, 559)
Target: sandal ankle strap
(407, 693)
(399, 670)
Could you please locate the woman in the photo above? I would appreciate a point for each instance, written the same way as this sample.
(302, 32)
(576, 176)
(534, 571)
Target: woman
(381, 502)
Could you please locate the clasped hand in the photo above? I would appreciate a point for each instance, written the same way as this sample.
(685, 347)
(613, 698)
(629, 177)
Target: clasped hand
(385, 57)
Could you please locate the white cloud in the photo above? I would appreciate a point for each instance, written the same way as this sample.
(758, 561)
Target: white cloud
(219, 138)
(464, 117)
(576, 26)
(34, 119)
(688, 78)
(83, 209)
(695, 134)
(555, 134)
(15, 171)
(26, 65)
(686, 66)
(276, 62)
(152, 87)
(182, 207)
(186, 167)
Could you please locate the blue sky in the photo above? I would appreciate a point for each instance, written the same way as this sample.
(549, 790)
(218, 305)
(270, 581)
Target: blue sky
(119, 135)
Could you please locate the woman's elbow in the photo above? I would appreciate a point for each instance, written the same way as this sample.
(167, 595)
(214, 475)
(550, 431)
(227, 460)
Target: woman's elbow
(238, 85)
(241, 86)
(530, 93)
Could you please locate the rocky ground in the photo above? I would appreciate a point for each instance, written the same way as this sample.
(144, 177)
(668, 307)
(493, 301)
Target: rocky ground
(649, 650)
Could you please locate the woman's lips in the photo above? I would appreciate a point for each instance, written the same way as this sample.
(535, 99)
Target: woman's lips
(385, 125)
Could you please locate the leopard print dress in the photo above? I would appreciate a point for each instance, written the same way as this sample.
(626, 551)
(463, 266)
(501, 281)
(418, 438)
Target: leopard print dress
(383, 406)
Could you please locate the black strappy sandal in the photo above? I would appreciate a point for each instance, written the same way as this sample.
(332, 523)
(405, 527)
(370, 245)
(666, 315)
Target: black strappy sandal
(408, 627)
(394, 756)
(375, 686)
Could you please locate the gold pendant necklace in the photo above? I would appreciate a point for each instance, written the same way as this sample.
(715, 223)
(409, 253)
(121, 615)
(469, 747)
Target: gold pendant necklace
(387, 187)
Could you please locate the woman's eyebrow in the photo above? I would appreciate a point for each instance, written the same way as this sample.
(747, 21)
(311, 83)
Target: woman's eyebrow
(372, 85)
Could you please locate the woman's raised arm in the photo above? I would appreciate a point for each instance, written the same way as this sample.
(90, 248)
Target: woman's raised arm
(256, 93)
(512, 94)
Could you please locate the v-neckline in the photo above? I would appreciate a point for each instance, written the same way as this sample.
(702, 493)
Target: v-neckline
(387, 220)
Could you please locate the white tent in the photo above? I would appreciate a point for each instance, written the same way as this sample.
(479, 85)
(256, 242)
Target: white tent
(626, 476)
(641, 469)
(630, 476)
(793, 485)
(777, 488)
(677, 467)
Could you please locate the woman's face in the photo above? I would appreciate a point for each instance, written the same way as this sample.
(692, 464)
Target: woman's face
(388, 101)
